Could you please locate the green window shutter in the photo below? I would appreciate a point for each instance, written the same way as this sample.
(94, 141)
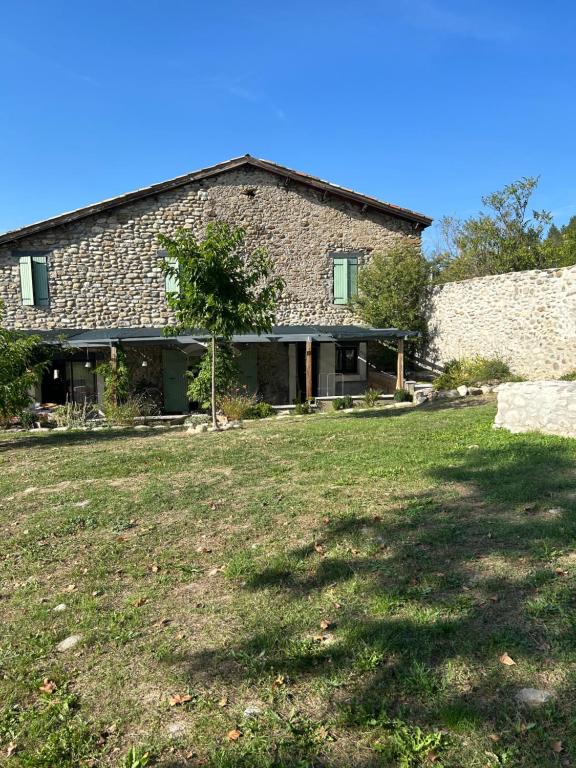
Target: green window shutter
(26, 283)
(340, 281)
(172, 284)
(352, 278)
(40, 280)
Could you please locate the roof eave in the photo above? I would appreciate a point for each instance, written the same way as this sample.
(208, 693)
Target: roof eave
(416, 218)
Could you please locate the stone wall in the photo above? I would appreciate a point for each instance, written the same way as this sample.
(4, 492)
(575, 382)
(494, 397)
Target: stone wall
(543, 406)
(526, 318)
(103, 270)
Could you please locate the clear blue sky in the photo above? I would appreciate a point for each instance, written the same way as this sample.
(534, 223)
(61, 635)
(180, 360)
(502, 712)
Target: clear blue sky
(426, 103)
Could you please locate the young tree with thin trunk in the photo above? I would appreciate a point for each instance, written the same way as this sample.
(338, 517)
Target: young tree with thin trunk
(223, 288)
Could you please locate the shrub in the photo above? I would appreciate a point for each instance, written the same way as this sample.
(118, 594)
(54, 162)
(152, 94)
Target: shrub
(195, 419)
(473, 372)
(74, 415)
(200, 380)
(27, 419)
(341, 403)
(303, 408)
(371, 397)
(260, 410)
(124, 413)
(237, 404)
(402, 396)
(570, 376)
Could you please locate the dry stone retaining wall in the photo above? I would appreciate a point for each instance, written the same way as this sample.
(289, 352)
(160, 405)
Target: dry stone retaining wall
(526, 318)
(543, 406)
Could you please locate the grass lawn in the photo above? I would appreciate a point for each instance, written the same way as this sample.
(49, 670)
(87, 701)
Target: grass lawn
(333, 590)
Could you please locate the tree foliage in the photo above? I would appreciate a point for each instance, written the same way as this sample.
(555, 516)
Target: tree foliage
(504, 237)
(20, 369)
(394, 288)
(560, 244)
(223, 287)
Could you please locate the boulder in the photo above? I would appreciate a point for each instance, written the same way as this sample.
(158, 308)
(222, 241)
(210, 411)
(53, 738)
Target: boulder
(462, 390)
(475, 390)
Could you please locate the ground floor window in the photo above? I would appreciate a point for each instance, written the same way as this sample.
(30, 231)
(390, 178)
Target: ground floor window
(347, 358)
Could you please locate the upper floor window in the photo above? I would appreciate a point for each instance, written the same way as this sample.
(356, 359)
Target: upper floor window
(345, 266)
(171, 282)
(34, 278)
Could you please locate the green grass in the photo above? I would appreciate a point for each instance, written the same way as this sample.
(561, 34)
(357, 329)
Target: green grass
(354, 578)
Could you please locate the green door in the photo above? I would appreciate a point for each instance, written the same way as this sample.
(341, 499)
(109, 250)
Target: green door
(248, 370)
(174, 367)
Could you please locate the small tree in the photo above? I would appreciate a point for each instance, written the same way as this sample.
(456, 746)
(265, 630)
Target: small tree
(222, 288)
(393, 289)
(20, 369)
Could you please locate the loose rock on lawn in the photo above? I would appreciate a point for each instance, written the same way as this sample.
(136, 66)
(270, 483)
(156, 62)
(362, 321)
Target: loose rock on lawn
(68, 643)
(533, 697)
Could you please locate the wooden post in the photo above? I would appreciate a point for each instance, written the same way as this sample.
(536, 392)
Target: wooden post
(309, 368)
(114, 366)
(400, 365)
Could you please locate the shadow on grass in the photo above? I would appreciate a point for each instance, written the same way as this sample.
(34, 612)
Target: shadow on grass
(54, 439)
(441, 589)
(443, 404)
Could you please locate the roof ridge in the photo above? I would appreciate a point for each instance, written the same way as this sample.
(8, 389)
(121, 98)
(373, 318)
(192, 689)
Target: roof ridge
(213, 170)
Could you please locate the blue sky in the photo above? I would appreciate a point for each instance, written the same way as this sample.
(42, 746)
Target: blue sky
(428, 103)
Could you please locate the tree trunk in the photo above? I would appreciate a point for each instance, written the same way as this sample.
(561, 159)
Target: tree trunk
(214, 424)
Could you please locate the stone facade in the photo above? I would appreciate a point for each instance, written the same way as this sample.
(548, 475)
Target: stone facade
(526, 318)
(543, 406)
(103, 270)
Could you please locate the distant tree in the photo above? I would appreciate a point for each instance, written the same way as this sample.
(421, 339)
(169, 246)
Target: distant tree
(560, 244)
(502, 238)
(394, 288)
(21, 365)
(223, 288)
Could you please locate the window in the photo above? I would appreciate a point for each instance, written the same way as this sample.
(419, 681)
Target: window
(347, 358)
(34, 279)
(345, 277)
(172, 284)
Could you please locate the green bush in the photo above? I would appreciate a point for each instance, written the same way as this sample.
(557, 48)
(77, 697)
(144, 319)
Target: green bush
(260, 410)
(303, 408)
(195, 419)
(402, 396)
(342, 403)
(371, 397)
(473, 372)
(570, 376)
(227, 373)
(27, 419)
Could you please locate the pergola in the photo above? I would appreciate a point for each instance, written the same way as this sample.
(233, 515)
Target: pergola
(309, 334)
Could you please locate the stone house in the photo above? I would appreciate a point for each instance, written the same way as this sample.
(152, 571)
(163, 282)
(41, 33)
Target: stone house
(90, 281)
